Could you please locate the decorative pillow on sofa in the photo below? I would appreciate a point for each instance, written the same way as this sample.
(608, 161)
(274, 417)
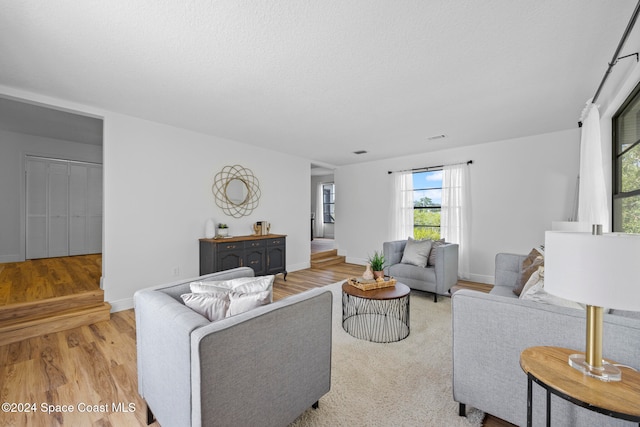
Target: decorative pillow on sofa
(534, 291)
(530, 265)
(217, 299)
(214, 305)
(239, 302)
(416, 252)
(432, 256)
(240, 284)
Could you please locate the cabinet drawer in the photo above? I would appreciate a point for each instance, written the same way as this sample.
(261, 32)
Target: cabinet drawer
(255, 244)
(230, 246)
(275, 242)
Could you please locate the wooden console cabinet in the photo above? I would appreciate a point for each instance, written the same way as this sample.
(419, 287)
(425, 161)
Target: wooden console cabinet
(265, 254)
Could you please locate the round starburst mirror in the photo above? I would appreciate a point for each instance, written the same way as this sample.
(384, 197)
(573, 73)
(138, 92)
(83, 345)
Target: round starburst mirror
(236, 190)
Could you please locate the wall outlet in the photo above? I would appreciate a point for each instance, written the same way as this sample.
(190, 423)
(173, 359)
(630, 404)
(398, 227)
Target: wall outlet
(176, 271)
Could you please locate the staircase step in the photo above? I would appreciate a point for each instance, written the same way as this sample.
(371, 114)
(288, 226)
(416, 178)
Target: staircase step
(324, 254)
(49, 306)
(38, 324)
(331, 260)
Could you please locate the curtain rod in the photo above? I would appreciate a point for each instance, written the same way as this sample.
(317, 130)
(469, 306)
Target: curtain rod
(431, 167)
(615, 58)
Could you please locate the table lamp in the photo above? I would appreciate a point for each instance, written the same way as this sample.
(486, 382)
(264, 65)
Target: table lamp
(599, 270)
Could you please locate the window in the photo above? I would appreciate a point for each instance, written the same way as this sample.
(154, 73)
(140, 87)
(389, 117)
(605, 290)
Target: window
(329, 203)
(427, 199)
(626, 165)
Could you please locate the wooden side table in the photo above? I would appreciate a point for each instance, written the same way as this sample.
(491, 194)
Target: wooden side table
(549, 367)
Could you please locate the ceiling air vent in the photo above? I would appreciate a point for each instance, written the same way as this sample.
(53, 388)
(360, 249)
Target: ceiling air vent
(360, 152)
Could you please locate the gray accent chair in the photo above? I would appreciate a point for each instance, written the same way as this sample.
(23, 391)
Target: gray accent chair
(437, 279)
(263, 367)
(491, 330)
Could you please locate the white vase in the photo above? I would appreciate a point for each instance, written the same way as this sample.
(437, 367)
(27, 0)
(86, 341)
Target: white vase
(368, 274)
(223, 232)
(209, 229)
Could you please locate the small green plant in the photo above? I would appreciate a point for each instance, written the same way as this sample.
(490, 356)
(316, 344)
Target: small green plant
(377, 261)
(223, 226)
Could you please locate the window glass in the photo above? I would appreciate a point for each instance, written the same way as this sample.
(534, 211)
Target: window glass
(626, 166)
(427, 200)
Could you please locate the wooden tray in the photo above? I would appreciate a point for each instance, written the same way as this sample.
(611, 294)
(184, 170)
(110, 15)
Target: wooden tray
(368, 285)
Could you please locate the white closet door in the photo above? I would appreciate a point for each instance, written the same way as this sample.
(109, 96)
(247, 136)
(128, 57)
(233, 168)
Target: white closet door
(94, 210)
(58, 199)
(77, 209)
(85, 204)
(36, 186)
(64, 208)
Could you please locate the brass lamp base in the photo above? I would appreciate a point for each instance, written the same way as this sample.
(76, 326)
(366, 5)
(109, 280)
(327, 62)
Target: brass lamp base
(606, 372)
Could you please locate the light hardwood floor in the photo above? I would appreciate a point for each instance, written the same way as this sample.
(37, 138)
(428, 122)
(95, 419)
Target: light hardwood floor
(94, 367)
(40, 279)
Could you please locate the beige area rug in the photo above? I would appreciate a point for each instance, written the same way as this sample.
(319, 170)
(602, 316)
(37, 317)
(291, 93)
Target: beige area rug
(406, 383)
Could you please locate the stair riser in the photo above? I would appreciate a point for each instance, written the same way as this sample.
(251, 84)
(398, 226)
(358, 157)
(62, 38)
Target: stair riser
(324, 263)
(23, 311)
(55, 323)
(325, 254)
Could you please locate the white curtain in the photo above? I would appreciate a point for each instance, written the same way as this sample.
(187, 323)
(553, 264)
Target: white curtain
(319, 218)
(401, 213)
(456, 212)
(592, 194)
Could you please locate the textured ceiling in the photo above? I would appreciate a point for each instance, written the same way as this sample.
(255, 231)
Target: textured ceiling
(321, 79)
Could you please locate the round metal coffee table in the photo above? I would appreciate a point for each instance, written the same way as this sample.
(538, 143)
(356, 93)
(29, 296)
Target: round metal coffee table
(378, 315)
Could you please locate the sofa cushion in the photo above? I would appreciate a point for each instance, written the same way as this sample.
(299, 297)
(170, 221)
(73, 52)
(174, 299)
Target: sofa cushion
(413, 272)
(432, 255)
(214, 305)
(530, 265)
(416, 252)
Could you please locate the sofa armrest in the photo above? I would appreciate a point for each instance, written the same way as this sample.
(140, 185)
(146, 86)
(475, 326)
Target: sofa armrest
(163, 327)
(446, 267)
(393, 252)
(288, 373)
(490, 332)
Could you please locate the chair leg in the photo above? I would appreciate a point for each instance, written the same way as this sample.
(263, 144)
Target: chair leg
(150, 417)
(316, 405)
(462, 410)
(435, 297)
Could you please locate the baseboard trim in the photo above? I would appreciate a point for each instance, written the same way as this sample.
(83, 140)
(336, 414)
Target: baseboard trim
(121, 304)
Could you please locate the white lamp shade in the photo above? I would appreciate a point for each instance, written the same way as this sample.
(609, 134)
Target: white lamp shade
(600, 270)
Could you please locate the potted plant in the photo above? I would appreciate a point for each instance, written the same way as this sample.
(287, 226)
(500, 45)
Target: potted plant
(223, 230)
(377, 264)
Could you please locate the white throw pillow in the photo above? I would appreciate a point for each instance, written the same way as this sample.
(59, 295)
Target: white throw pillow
(416, 252)
(239, 303)
(240, 284)
(214, 306)
(537, 293)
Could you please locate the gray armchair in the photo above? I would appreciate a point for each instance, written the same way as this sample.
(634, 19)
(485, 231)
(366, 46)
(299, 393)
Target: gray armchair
(263, 367)
(437, 279)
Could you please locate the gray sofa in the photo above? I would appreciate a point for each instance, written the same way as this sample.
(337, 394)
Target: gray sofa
(263, 367)
(437, 279)
(491, 330)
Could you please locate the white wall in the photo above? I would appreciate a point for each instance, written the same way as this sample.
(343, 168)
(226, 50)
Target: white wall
(13, 148)
(518, 187)
(158, 196)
